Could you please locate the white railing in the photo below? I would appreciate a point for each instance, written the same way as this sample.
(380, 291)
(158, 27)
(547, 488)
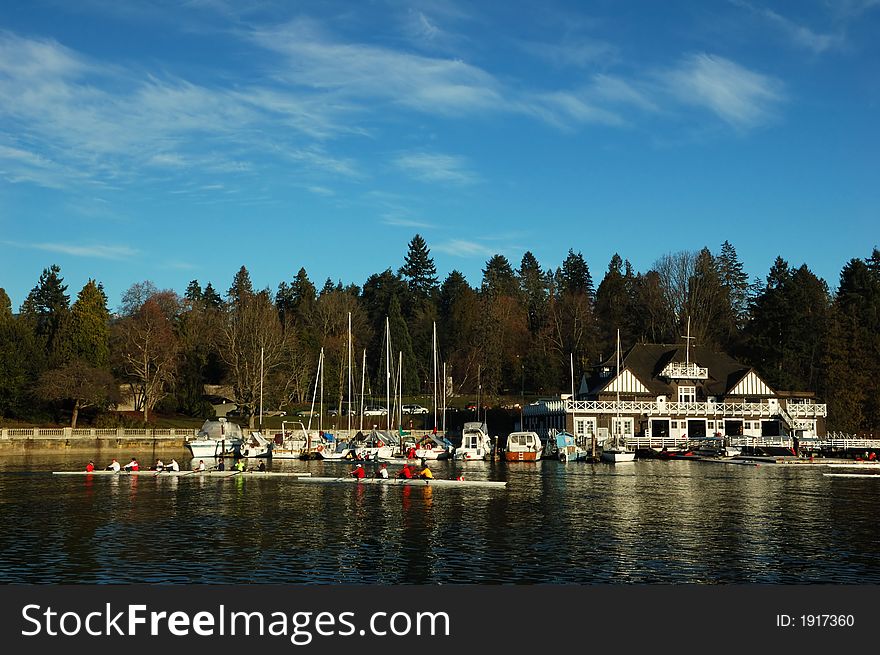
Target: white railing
(686, 409)
(803, 410)
(93, 433)
(680, 370)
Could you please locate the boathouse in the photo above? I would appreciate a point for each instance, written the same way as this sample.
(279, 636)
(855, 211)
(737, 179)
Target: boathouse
(662, 395)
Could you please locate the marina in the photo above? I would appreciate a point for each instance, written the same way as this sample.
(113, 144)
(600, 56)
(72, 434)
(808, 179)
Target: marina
(650, 521)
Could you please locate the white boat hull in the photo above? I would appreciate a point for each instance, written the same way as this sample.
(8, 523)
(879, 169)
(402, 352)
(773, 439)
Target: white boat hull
(618, 456)
(202, 448)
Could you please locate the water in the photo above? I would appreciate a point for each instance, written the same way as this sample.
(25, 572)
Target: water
(644, 522)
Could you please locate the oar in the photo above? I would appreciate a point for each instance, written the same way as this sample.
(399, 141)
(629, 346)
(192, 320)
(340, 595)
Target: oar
(209, 468)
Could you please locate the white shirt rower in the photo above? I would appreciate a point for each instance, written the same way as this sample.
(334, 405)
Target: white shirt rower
(114, 466)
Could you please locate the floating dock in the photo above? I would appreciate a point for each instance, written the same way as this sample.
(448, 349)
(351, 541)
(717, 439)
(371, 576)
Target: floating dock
(302, 477)
(852, 475)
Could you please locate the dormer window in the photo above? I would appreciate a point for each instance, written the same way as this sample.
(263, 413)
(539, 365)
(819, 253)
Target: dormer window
(687, 394)
(605, 372)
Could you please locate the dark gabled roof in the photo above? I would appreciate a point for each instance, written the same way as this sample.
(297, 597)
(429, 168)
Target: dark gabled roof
(647, 361)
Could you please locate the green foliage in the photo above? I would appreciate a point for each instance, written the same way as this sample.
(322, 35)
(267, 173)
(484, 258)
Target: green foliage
(418, 270)
(85, 332)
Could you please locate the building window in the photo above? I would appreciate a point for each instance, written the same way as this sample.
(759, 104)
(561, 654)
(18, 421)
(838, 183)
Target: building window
(748, 425)
(687, 394)
(623, 426)
(711, 425)
(585, 426)
(675, 424)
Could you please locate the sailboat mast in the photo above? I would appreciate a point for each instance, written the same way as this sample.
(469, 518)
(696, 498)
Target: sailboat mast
(261, 389)
(349, 373)
(387, 373)
(399, 388)
(363, 379)
(434, 358)
(443, 395)
(617, 385)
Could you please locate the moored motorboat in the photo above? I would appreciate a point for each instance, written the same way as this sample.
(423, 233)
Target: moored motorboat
(216, 438)
(523, 447)
(255, 445)
(564, 447)
(475, 442)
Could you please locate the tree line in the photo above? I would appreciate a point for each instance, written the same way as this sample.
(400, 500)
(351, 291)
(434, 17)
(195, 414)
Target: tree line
(520, 331)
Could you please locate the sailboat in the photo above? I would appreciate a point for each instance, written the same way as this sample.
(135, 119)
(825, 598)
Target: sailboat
(436, 445)
(618, 451)
(255, 444)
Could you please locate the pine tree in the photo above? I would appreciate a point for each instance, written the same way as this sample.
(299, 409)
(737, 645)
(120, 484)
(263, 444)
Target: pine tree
(242, 289)
(613, 307)
(736, 281)
(211, 298)
(533, 286)
(5, 306)
(419, 270)
(498, 278)
(46, 305)
(575, 275)
(85, 336)
(193, 293)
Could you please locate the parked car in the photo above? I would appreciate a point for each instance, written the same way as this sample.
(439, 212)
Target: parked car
(375, 410)
(305, 413)
(414, 409)
(335, 411)
(274, 412)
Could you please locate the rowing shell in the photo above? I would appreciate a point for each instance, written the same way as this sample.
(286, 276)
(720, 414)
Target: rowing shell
(397, 482)
(851, 475)
(178, 474)
(303, 477)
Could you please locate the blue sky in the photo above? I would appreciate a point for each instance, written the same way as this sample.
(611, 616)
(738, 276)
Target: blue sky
(169, 141)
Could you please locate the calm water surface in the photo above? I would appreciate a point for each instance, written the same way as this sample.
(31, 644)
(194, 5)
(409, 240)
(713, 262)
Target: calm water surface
(644, 522)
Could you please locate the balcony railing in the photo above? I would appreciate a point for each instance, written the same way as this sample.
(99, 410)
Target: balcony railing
(652, 408)
(681, 370)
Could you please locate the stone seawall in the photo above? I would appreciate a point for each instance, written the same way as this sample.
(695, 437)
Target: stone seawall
(18, 445)
(21, 440)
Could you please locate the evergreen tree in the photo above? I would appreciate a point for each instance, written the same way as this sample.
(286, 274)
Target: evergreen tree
(21, 362)
(85, 335)
(46, 305)
(614, 309)
(242, 289)
(401, 342)
(193, 293)
(533, 286)
(211, 298)
(735, 281)
(498, 278)
(5, 306)
(418, 270)
(575, 275)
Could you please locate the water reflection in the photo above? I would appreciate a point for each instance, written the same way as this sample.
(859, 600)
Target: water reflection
(649, 522)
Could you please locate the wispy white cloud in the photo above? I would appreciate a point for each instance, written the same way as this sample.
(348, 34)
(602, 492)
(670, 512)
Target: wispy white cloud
(99, 124)
(321, 190)
(433, 85)
(579, 53)
(397, 221)
(742, 98)
(436, 167)
(798, 34)
(99, 251)
(465, 248)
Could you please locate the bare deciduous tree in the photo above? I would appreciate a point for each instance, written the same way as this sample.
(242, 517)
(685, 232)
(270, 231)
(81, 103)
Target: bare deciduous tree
(147, 352)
